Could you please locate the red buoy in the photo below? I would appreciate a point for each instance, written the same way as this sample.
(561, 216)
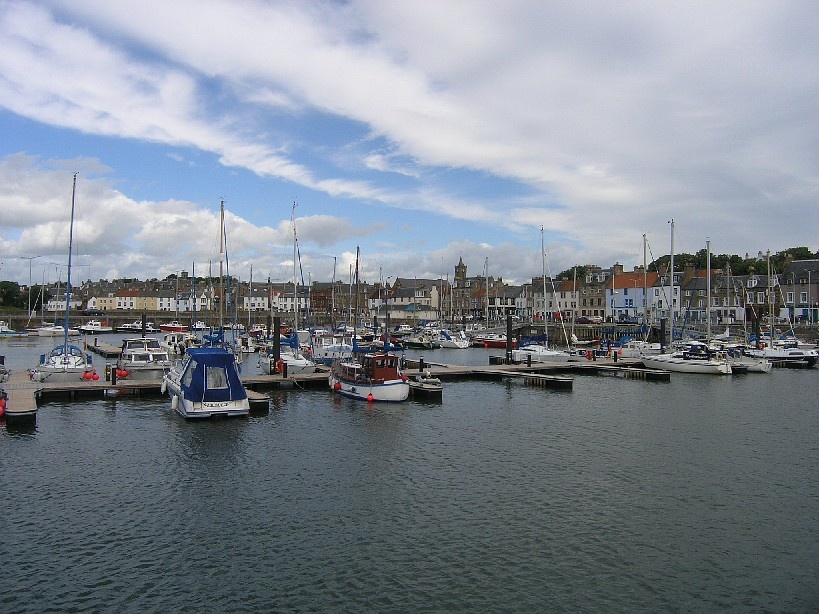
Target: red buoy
(370, 398)
(96, 376)
(86, 375)
(337, 386)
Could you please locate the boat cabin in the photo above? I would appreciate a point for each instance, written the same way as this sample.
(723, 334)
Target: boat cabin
(381, 366)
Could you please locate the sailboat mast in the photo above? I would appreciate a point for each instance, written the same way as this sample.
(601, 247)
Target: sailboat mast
(671, 319)
(355, 315)
(708, 291)
(221, 261)
(486, 277)
(68, 282)
(543, 272)
(333, 296)
(645, 285)
(295, 277)
(193, 291)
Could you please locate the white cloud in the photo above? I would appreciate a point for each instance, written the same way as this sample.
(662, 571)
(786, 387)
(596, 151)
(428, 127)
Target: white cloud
(604, 120)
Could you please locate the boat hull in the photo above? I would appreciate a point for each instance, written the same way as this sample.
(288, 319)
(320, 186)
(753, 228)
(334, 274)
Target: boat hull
(389, 391)
(670, 362)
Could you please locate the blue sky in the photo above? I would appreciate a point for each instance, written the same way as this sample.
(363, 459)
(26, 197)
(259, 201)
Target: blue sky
(422, 131)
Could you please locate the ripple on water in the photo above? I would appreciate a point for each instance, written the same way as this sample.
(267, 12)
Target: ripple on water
(620, 495)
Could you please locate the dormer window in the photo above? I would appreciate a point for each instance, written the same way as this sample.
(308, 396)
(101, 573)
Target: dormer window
(753, 282)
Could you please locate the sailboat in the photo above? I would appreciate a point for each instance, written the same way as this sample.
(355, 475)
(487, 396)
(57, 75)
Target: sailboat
(291, 359)
(378, 377)
(65, 363)
(693, 356)
(541, 352)
(782, 352)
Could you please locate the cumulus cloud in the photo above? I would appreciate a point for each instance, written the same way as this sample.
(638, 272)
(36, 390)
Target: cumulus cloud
(487, 120)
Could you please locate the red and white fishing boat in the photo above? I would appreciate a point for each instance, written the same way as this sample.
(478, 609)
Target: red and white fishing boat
(491, 340)
(173, 326)
(377, 378)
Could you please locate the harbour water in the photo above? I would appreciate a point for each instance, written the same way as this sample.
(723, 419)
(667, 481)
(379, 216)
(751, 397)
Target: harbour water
(696, 495)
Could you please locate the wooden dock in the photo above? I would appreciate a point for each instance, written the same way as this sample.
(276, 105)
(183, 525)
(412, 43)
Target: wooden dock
(106, 350)
(24, 393)
(22, 404)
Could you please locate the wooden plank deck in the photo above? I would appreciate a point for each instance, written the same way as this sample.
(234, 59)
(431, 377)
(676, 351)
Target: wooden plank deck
(106, 350)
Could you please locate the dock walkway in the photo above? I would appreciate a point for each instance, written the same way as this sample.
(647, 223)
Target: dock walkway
(24, 393)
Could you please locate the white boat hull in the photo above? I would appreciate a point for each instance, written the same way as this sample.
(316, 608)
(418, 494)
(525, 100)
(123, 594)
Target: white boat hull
(390, 391)
(539, 353)
(678, 364)
(789, 357)
(203, 409)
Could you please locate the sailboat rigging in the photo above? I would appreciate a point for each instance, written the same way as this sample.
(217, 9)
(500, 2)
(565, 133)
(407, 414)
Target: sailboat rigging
(66, 362)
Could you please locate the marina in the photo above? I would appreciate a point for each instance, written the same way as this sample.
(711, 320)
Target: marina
(616, 494)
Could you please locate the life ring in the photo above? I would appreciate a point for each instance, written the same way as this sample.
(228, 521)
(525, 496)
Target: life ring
(279, 366)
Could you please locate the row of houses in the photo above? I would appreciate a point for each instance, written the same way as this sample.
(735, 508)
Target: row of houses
(612, 294)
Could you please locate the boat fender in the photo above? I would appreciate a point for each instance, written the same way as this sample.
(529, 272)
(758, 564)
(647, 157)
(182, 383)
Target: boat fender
(279, 366)
(163, 387)
(2, 407)
(588, 355)
(174, 402)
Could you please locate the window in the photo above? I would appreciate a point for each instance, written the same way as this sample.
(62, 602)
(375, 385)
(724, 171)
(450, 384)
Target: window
(789, 297)
(803, 298)
(217, 377)
(760, 298)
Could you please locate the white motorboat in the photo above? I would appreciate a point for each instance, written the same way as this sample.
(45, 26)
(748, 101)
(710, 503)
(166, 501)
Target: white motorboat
(6, 331)
(206, 384)
(142, 358)
(56, 330)
(95, 327)
(177, 343)
(786, 356)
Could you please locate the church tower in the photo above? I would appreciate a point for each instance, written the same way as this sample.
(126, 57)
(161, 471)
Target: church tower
(460, 273)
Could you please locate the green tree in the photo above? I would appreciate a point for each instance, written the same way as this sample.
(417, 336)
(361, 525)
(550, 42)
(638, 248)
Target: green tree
(10, 295)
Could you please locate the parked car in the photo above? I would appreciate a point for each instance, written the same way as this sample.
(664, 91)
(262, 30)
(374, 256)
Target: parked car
(583, 320)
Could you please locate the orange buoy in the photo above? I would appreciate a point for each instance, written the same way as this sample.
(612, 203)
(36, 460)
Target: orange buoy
(370, 397)
(86, 375)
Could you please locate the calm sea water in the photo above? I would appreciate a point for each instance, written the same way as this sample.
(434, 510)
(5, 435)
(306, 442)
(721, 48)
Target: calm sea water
(695, 495)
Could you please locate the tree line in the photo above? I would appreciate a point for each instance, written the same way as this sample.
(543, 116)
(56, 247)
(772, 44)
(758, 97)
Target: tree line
(739, 265)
